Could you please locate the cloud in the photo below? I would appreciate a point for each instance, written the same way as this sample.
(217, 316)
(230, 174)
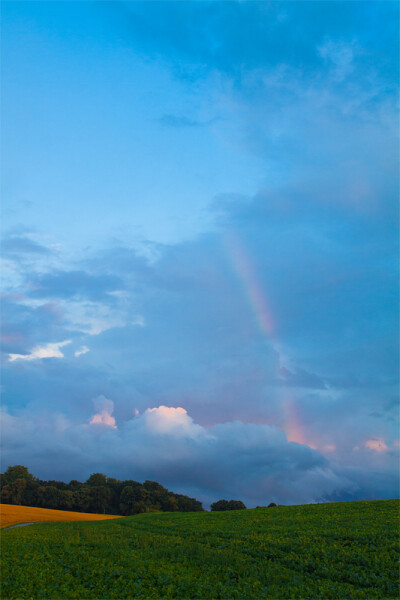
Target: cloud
(235, 37)
(82, 350)
(376, 445)
(104, 416)
(171, 421)
(16, 245)
(74, 284)
(93, 318)
(302, 378)
(39, 352)
(252, 462)
(341, 55)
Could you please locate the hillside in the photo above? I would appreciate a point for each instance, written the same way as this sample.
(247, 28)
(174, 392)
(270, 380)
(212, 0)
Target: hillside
(11, 514)
(343, 550)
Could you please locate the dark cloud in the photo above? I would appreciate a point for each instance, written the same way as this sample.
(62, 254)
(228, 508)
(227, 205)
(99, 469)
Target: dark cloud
(80, 284)
(234, 36)
(201, 343)
(253, 462)
(26, 324)
(302, 378)
(15, 246)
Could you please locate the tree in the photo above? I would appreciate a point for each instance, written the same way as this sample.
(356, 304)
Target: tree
(14, 473)
(29, 495)
(100, 494)
(49, 496)
(97, 479)
(127, 500)
(227, 505)
(219, 505)
(101, 497)
(186, 504)
(82, 499)
(12, 493)
(66, 500)
(74, 485)
(169, 503)
(236, 505)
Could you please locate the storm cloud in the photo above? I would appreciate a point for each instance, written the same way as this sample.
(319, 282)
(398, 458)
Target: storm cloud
(249, 461)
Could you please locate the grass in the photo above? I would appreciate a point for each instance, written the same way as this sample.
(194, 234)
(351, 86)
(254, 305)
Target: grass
(11, 514)
(342, 550)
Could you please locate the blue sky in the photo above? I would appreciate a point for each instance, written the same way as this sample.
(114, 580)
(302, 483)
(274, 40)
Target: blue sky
(200, 245)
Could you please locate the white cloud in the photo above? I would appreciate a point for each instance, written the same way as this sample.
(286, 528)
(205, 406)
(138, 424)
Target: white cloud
(38, 352)
(171, 421)
(93, 318)
(83, 350)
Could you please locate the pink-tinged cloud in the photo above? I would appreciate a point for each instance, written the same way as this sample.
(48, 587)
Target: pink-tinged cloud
(376, 445)
(293, 425)
(104, 416)
(172, 421)
(39, 352)
(329, 448)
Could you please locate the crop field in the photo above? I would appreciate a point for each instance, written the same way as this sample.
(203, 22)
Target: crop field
(343, 550)
(11, 514)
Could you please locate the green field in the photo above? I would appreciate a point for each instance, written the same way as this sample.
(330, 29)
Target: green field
(344, 550)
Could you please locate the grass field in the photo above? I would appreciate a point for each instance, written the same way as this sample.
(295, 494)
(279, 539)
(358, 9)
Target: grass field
(344, 550)
(10, 514)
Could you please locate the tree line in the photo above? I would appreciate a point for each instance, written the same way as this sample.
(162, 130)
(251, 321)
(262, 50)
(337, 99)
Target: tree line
(99, 494)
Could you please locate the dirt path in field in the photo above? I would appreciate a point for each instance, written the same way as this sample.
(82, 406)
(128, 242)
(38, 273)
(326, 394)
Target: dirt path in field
(19, 525)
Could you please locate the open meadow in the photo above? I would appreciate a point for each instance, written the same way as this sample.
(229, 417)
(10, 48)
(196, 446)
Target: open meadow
(338, 550)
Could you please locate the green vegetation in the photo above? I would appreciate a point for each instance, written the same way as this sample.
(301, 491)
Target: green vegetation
(99, 494)
(228, 505)
(344, 550)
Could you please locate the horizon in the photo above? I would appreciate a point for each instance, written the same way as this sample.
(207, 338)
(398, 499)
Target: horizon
(200, 246)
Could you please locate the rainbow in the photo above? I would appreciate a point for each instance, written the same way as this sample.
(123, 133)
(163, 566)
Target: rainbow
(247, 275)
(268, 325)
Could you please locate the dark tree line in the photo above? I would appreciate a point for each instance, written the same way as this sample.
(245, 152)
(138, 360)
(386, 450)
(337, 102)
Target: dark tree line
(99, 494)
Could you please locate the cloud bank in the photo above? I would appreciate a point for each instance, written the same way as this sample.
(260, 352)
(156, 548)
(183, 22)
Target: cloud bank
(252, 462)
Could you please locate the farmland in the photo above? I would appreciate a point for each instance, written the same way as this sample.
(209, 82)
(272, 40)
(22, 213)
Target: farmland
(343, 550)
(11, 514)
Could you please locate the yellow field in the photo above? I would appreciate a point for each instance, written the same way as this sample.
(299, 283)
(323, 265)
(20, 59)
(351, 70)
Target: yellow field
(10, 514)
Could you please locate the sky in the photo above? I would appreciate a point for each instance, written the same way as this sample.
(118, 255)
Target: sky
(200, 246)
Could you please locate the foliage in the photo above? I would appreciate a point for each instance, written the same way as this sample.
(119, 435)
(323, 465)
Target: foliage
(14, 473)
(227, 505)
(342, 550)
(99, 494)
